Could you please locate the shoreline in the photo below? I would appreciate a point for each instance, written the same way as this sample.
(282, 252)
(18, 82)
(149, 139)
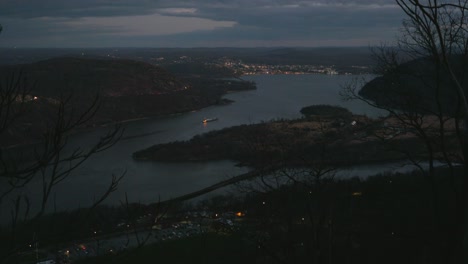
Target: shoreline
(292, 142)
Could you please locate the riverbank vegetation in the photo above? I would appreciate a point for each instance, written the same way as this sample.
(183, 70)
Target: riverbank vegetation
(327, 111)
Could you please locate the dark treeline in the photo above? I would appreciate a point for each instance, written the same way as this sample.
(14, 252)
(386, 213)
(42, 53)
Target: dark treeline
(383, 219)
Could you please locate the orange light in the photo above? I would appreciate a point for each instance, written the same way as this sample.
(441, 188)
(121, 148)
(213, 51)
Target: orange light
(239, 214)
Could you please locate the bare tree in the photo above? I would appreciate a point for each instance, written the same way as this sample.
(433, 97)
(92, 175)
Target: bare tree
(49, 163)
(431, 55)
(295, 206)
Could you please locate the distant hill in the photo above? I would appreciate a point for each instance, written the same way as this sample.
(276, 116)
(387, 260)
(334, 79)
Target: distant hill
(412, 86)
(197, 69)
(109, 78)
(317, 56)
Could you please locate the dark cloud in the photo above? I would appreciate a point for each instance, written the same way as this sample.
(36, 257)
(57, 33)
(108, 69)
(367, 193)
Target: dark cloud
(74, 8)
(85, 8)
(227, 22)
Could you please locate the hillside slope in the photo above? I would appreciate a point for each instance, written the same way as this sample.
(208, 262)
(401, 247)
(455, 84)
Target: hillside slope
(108, 77)
(126, 90)
(412, 86)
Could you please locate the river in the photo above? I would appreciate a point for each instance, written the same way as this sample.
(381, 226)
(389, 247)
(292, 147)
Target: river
(276, 97)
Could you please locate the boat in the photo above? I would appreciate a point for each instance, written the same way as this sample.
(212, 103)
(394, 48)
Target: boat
(206, 120)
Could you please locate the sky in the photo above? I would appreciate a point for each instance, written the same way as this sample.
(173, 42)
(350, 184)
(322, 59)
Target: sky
(197, 23)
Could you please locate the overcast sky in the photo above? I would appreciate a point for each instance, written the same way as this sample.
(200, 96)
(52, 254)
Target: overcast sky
(197, 23)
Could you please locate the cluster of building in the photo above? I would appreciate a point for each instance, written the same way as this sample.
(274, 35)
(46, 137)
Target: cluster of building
(147, 231)
(243, 68)
(253, 69)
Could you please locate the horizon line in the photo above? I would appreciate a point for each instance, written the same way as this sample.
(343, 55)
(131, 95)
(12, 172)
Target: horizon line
(198, 47)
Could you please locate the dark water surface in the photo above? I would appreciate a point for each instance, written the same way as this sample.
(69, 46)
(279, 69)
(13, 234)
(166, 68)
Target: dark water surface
(277, 96)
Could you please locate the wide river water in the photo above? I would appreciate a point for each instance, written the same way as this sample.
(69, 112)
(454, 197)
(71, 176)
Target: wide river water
(276, 96)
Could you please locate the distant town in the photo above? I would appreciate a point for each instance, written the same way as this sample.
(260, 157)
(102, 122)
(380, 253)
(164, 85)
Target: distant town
(240, 67)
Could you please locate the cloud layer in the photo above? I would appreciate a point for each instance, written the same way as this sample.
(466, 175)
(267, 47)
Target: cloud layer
(188, 23)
